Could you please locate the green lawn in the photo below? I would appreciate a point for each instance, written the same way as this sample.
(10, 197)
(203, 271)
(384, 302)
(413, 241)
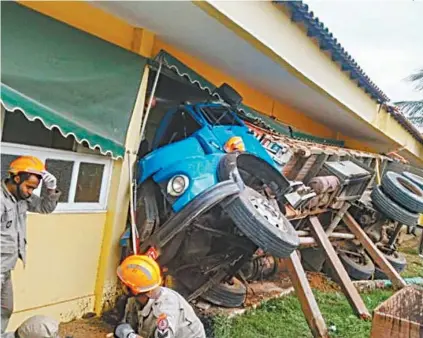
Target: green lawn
(280, 318)
(414, 266)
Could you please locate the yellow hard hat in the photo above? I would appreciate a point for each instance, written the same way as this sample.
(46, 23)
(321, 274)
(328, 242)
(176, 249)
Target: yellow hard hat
(27, 164)
(234, 144)
(139, 273)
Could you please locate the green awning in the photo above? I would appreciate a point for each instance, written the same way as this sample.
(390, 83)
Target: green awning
(247, 113)
(67, 79)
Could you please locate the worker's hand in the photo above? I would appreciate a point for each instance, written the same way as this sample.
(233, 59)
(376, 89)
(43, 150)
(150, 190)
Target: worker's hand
(111, 335)
(124, 330)
(49, 180)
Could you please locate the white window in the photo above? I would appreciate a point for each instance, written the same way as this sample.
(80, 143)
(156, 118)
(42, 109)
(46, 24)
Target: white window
(83, 179)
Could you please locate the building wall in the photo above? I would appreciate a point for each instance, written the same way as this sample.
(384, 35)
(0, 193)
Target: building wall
(59, 277)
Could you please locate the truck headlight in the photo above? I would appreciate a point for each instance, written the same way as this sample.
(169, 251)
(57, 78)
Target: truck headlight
(177, 185)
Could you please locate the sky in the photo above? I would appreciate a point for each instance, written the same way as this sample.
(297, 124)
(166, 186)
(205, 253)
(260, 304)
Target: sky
(385, 37)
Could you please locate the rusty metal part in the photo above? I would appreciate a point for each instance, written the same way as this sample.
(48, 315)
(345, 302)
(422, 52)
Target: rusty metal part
(373, 251)
(305, 295)
(338, 217)
(394, 236)
(306, 167)
(345, 282)
(324, 184)
(310, 241)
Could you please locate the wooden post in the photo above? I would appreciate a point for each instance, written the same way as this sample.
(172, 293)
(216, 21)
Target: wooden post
(305, 296)
(345, 282)
(373, 251)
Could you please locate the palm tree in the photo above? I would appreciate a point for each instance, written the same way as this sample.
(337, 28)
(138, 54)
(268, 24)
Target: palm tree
(414, 109)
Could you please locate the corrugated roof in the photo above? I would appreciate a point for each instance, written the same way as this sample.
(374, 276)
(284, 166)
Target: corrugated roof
(300, 12)
(398, 116)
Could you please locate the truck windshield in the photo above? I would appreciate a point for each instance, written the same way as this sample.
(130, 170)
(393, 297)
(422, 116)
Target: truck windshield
(220, 115)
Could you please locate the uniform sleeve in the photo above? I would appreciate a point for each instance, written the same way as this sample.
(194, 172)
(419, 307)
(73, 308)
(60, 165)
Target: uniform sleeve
(43, 205)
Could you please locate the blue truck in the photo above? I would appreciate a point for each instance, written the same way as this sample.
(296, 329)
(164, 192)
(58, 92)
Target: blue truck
(208, 196)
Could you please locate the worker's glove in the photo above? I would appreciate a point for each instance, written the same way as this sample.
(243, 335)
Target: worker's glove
(124, 330)
(49, 181)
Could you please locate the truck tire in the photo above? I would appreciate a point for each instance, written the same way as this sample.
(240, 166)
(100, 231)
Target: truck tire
(392, 210)
(356, 271)
(403, 191)
(416, 179)
(262, 223)
(231, 165)
(397, 261)
(226, 294)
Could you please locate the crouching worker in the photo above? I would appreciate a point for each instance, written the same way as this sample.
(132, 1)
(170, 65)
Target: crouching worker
(36, 327)
(153, 311)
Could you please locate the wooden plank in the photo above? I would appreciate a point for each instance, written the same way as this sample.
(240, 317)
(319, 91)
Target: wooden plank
(374, 252)
(344, 280)
(305, 296)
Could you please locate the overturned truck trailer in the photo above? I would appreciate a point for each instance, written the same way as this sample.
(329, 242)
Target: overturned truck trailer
(327, 181)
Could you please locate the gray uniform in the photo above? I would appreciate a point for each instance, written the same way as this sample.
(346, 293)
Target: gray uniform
(169, 316)
(13, 239)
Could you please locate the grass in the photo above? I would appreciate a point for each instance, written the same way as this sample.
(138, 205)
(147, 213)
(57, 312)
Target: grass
(414, 266)
(283, 318)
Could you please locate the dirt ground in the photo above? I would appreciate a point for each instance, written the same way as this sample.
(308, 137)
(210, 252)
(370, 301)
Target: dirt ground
(257, 292)
(85, 328)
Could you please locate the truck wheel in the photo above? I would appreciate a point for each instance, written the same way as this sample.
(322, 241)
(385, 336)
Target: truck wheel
(362, 269)
(226, 294)
(250, 169)
(416, 179)
(397, 261)
(391, 209)
(263, 223)
(358, 270)
(403, 191)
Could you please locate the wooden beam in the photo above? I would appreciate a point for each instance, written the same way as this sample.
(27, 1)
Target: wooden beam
(345, 282)
(305, 296)
(374, 252)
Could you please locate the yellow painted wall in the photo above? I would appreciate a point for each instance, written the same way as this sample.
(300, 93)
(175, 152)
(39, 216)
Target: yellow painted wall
(61, 270)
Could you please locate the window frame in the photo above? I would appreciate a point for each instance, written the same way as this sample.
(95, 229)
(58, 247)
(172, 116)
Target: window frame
(49, 153)
(171, 121)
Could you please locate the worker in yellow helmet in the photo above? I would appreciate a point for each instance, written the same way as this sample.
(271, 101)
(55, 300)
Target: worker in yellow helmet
(153, 311)
(235, 143)
(25, 175)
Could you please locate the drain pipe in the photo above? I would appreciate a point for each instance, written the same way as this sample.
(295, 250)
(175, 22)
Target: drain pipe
(341, 212)
(150, 101)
